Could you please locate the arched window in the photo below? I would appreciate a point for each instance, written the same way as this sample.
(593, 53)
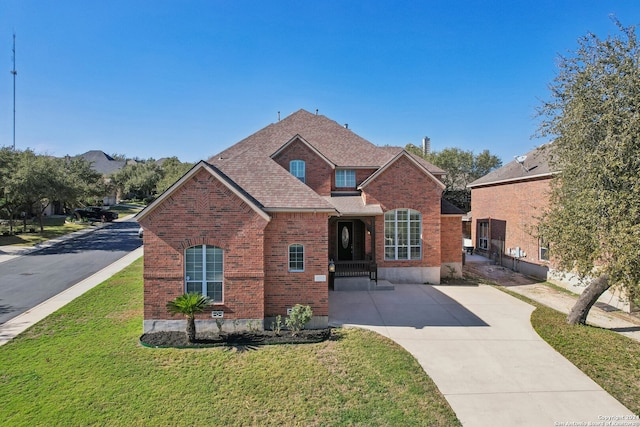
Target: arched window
(296, 257)
(297, 169)
(204, 271)
(402, 234)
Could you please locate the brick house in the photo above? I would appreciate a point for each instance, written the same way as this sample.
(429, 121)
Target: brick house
(256, 226)
(505, 207)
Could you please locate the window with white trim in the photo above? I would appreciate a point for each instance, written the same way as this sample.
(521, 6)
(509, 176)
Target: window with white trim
(483, 234)
(345, 178)
(204, 271)
(297, 169)
(296, 257)
(402, 235)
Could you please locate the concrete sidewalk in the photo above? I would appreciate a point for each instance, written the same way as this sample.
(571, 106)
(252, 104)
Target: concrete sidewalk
(479, 347)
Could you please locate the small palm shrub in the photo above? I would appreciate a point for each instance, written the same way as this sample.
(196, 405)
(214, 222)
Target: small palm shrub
(189, 305)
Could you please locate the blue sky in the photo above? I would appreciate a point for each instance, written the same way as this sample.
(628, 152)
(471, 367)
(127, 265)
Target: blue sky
(189, 78)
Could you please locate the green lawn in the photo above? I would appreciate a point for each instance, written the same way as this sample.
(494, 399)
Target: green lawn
(54, 227)
(610, 359)
(83, 365)
(51, 231)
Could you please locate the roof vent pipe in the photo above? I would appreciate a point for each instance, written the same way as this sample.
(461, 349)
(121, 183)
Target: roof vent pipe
(316, 111)
(346, 125)
(278, 115)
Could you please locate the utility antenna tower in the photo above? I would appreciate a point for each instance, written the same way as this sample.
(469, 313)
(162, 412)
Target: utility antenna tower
(14, 72)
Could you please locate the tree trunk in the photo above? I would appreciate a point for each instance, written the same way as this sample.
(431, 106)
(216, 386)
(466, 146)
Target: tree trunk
(580, 310)
(191, 329)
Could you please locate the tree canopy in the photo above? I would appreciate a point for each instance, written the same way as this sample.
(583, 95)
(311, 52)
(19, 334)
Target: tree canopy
(593, 116)
(147, 179)
(462, 168)
(29, 182)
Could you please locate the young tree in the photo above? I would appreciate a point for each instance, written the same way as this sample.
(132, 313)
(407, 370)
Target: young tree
(593, 224)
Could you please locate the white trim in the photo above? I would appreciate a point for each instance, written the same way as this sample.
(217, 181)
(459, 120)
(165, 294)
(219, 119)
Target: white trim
(204, 281)
(289, 258)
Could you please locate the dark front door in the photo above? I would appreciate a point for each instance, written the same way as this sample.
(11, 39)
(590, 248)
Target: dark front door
(345, 241)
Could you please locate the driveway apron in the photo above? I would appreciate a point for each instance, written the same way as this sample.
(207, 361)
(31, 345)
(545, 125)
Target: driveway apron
(478, 346)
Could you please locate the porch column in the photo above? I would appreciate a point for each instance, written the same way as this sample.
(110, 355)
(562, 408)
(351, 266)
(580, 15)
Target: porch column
(373, 238)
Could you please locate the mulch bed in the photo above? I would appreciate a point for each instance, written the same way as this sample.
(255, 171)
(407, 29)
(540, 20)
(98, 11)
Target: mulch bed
(172, 339)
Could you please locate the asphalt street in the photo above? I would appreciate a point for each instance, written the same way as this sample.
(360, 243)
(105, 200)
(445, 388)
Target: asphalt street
(28, 280)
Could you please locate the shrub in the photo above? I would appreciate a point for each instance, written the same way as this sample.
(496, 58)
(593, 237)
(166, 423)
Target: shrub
(276, 325)
(299, 317)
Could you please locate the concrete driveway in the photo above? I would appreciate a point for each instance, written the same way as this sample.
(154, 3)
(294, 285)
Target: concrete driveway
(478, 346)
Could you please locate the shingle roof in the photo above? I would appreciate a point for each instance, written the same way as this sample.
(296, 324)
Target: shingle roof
(353, 205)
(249, 162)
(448, 208)
(101, 162)
(533, 165)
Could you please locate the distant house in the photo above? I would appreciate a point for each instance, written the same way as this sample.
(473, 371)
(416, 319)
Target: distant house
(105, 165)
(257, 226)
(506, 207)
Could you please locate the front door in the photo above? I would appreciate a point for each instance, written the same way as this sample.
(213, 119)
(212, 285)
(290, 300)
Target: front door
(345, 241)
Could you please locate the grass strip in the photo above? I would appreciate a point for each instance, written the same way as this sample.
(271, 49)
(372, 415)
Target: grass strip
(83, 365)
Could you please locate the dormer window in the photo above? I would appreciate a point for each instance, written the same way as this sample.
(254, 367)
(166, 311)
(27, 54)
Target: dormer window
(345, 178)
(297, 169)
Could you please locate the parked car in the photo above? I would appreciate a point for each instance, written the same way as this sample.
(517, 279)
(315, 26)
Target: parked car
(96, 213)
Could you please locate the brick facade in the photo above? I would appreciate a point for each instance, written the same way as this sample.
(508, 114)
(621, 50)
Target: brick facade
(216, 216)
(403, 186)
(512, 209)
(284, 289)
(318, 172)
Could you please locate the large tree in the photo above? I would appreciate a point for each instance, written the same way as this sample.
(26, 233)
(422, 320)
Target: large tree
(462, 167)
(593, 116)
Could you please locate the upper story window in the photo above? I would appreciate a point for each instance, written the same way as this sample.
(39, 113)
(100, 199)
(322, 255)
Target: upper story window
(402, 234)
(297, 169)
(345, 178)
(296, 257)
(204, 271)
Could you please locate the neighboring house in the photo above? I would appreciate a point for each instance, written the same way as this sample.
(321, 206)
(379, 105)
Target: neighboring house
(506, 206)
(105, 165)
(256, 227)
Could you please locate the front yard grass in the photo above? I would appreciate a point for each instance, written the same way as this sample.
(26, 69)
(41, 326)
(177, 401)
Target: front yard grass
(51, 231)
(610, 359)
(83, 365)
